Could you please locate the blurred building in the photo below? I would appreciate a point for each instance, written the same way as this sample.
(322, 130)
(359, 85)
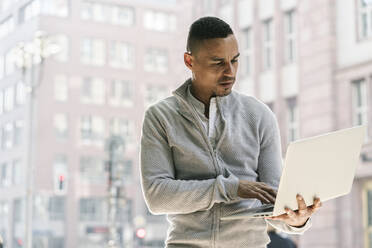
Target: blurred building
(311, 62)
(115, 58)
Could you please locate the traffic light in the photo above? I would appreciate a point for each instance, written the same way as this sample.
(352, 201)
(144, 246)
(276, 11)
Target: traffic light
(60, 183)
(139, 236)
(141, 233)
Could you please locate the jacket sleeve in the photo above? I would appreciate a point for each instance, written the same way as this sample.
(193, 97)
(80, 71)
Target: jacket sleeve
(163, 193)
(270, 165)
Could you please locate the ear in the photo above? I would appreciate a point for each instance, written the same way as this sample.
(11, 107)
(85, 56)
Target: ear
(187, 58)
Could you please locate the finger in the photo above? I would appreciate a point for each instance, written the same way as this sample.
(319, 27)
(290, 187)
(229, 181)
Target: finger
(260, 197)
(290, 212)
(317, 204)
(301, 204)
(317, 201)
(268, 189)
(266, 195)
(278, 217)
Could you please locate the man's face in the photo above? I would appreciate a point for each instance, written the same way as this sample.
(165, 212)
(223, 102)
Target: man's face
(214, 66)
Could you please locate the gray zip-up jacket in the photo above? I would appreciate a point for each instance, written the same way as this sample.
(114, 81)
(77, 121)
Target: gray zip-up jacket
(183, 176)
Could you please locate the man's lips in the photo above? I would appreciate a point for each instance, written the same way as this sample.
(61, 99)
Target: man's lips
(227, 83)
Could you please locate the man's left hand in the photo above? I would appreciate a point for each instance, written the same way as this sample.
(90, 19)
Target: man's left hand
(299, 217)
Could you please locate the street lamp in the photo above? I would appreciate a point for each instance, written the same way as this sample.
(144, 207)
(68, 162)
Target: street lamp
(114, 145)
(28, 56)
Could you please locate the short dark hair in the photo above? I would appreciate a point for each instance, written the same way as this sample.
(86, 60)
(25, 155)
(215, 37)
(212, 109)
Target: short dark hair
(208, 27)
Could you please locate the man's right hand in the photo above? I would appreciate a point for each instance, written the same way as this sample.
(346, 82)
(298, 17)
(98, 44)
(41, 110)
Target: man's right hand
(257, 190)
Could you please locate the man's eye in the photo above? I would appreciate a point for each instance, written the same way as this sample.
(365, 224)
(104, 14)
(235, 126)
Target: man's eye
(234, 61)
(220, 63)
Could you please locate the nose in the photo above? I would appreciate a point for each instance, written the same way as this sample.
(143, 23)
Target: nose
(229, 69)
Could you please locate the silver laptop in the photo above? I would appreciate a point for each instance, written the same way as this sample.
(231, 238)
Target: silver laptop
(322, 166)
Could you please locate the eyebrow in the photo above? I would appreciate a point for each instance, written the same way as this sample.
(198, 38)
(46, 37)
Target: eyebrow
(215, 58)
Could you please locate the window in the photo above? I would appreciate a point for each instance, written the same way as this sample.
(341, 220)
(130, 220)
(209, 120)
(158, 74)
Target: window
(61, 126)
(108, 13)
(62, 44)
(29, 11)
(127, 171)
(367, 213)
(1, 102)
(7, 137)
(123, 128)
(159, 21)
(34, 8)
(2, 66)
(359, 103)
(268, 53)
(92, 209)
(60, 88)
(6, 26)
(16, 172)
(365, 19)
(93, 91)
(93, 52)
(18, 132)
(92, 130)
(56, 242)
(122, 15)
(4, 212)
(56, 208)
(40, 209)
(9, 99)
(121, 55)
(93, 11)
(292, 120)
(121, 93)
(5, 177)
(155, 93)
(92, 170)
(126, 212)
(290, 37)
(20, 93)
(18, 212)
(156, 60)
(9, 62)
(247, 51)
(58, 8)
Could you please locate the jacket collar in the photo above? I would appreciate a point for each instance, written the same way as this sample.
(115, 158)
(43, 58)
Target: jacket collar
(185, 107)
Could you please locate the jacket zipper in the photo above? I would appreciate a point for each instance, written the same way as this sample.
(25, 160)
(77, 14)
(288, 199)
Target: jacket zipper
(206, 139)
(213, 152)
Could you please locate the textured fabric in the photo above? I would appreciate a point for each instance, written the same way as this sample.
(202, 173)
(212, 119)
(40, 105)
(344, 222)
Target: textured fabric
(212, 126)
(183, 176)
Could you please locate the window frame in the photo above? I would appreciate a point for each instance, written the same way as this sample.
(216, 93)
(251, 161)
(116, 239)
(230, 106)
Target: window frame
(363, 109)
(360, 11)
(268, 37)
(247, 52)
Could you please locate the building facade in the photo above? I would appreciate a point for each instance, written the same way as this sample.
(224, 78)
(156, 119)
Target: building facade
(311, 63)
(114, 59)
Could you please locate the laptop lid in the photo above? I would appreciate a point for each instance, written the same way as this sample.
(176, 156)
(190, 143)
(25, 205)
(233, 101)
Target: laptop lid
(322, 166)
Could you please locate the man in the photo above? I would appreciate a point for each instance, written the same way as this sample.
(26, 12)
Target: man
(208, 151)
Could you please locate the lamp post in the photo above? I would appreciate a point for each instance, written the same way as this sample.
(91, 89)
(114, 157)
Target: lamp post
(29, 57)
(114, 145)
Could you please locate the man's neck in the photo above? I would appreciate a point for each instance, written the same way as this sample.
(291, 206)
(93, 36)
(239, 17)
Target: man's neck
(205, 100)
